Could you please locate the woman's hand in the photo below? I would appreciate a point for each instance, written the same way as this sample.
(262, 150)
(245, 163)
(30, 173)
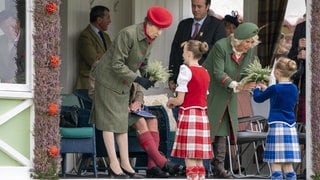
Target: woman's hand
(246, 87)
(135, 106)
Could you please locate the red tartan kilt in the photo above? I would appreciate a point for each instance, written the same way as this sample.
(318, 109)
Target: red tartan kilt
(192, 138)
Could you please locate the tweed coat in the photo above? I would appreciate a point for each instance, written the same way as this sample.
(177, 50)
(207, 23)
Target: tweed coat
(222, 101)
(90, 49)
(211, 31)
(115, 74)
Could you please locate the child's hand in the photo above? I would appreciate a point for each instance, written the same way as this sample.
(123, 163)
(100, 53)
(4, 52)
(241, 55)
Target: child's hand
(249, 86)
(261, 85)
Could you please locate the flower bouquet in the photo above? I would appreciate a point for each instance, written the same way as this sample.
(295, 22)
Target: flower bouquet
(255, 73)
(156, 71)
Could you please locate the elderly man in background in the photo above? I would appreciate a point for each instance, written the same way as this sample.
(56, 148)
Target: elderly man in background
(93, 43)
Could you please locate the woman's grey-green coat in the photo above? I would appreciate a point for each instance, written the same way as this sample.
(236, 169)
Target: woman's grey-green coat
(114, 75)
(222, 101)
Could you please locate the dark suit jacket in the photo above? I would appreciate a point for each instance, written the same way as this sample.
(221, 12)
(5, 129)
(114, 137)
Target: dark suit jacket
(211, 30)
(300, 75)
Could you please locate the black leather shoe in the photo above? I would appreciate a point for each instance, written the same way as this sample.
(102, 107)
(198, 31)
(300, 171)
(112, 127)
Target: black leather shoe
(113, 175)
(156, 172)
(222, 175)
(132, 175)
(173, 168)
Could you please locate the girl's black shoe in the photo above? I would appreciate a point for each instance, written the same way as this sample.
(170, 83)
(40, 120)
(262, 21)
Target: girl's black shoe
(113, 175)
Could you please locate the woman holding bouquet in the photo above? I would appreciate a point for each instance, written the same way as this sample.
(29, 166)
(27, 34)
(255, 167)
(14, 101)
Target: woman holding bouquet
(226, 62)
(114, 75)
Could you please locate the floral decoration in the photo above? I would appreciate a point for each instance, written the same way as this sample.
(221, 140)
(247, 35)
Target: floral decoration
(53, 109)
(314, 65)
(51, 8)
(54, 61)
(47, 89)
(53, 151)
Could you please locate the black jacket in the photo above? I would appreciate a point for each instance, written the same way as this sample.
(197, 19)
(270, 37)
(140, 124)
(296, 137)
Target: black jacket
(211, 31)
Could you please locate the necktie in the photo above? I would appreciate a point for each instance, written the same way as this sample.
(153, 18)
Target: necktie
(103, 40)
(196, 30)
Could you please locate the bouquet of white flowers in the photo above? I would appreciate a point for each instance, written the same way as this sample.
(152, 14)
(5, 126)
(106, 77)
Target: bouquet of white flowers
(255, 73)
(156, 71)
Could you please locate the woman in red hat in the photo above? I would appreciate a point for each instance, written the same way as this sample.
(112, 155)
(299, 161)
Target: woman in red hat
(114, 75)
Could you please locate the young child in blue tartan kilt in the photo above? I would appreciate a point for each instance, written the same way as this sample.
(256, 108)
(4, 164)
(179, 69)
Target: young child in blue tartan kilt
(192, 140)
(282, 147)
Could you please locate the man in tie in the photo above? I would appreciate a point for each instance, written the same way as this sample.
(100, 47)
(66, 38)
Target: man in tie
(201, 27)
(93, 43)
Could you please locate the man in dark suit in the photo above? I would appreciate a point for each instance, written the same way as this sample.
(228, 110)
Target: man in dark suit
(93, 43)
(210, 29)
(298, 54)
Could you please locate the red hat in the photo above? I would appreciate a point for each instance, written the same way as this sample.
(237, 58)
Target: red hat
(159, 16)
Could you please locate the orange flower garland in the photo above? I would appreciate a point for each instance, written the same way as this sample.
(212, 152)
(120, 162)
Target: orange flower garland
(51, 8)
(53, 151)
(53, 109)
(54, 61)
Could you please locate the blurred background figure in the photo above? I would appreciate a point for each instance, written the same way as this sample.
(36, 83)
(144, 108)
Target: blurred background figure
(231, 22)
(298, 53)
(281, 51)
(12, 51)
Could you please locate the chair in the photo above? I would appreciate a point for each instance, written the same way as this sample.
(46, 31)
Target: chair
(135, 150)
(83, 97)
(300, 168)
(78, 139)
(250, 138)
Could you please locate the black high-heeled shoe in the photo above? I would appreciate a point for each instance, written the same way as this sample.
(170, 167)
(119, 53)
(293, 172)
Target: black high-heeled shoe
(113, 175)
(133, 175)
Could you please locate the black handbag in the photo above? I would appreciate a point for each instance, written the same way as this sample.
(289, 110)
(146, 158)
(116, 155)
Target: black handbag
(69, 116)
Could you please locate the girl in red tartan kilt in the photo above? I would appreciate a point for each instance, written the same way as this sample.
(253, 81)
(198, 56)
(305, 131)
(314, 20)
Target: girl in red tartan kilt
(192, 140)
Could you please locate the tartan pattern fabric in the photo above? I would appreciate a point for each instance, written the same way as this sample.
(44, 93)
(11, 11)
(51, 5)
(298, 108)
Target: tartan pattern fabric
(282, 144)
(270, 18)
(192, 139)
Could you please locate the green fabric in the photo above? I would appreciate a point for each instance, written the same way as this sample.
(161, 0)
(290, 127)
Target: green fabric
(172, 135)
(222, 101)
(82, 132)
(246, 30)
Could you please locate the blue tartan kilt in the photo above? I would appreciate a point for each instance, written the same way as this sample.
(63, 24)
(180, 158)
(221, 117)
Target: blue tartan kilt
(282, 144)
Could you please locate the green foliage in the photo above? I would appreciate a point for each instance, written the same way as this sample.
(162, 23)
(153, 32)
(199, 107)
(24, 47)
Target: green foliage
(255, 73)
(316, 176)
